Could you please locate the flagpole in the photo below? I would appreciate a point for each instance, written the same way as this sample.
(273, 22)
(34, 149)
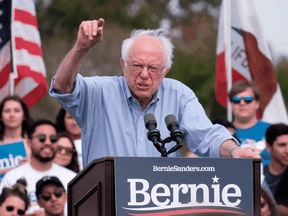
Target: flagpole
(11, 79)
(227, 39)
(13, 73)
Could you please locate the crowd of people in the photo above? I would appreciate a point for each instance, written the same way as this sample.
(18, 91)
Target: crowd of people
(104, 116)
(270, 141)
(48, 145)
(38, 149)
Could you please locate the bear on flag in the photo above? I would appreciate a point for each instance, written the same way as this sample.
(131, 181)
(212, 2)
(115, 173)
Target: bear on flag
(250, 60)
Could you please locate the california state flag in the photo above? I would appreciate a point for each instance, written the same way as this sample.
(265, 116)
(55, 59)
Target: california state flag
(250, 60)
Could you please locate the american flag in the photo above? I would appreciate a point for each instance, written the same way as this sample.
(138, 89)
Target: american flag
(20, 51)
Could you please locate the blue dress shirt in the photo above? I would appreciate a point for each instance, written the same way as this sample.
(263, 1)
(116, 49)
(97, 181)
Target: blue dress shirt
(112, 120)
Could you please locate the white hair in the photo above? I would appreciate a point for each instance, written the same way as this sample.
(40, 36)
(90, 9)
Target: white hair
(161, 34)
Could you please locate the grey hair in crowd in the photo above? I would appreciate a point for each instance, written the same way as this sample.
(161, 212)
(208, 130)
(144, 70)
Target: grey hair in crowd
(160, 34)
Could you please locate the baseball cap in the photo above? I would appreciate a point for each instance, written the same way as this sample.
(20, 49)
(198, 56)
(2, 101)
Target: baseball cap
(47, 180)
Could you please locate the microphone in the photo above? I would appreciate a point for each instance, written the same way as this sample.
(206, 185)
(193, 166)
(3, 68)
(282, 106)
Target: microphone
(173, 127)
(153, 134)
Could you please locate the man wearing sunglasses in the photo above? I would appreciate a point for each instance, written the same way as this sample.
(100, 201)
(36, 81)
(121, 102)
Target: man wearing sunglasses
(245, 100)
(42, 139)
(51, 195)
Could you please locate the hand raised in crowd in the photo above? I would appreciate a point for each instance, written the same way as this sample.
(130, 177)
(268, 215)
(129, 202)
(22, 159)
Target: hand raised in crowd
(89, 34)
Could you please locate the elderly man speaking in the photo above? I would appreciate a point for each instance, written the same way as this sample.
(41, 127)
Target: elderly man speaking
(110, 110)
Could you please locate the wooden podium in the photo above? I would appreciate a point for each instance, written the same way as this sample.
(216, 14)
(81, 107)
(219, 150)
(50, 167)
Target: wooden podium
(92, 192)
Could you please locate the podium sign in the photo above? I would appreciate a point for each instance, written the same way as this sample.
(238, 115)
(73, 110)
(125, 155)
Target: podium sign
(183, 186)
(11, 155)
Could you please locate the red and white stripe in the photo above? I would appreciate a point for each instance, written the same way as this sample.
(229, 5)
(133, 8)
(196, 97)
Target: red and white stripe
(29, 69)
(5, 69)
(250, 60)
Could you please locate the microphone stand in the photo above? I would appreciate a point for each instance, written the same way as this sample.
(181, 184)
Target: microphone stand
(162, 149)
(154, 135)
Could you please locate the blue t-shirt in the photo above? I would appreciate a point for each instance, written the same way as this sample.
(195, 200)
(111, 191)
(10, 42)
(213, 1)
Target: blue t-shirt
(256, 133)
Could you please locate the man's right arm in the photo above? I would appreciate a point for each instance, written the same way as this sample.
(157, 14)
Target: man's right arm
(89, 34)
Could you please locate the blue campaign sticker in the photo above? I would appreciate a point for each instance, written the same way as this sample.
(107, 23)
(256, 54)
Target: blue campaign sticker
(11, 155)
(183, 186)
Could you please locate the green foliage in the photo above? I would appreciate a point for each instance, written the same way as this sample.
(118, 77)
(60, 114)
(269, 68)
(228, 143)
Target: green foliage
(194, 57)
(194, 62)
(66, 15)
(198, 73)
(143, 20)
(282, 77)
(186, 3)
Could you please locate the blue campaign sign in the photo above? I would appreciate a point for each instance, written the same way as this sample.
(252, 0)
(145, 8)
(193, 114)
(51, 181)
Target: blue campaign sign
(10, 156)
(183, 186)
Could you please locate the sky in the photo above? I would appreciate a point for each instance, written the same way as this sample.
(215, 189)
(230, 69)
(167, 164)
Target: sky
(274, 14)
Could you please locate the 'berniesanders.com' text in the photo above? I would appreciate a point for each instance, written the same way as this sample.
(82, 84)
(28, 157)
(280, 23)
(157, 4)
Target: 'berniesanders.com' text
(176, 168)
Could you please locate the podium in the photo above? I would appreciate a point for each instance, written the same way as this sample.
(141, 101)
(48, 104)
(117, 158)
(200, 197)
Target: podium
(92, 191)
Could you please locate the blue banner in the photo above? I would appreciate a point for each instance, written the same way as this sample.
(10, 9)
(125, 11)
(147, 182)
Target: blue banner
(11, 155)
(183, 186)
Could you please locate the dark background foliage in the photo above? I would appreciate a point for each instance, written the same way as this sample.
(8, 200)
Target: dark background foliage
(195, 46)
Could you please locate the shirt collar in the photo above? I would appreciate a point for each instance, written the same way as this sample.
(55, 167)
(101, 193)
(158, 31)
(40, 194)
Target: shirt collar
(129, 96)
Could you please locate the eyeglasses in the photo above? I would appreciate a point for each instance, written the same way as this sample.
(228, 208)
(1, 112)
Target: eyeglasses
(237, 99)
(67, 149)
(19, 211)
(42, 138)
(137, 68)
(47, 196)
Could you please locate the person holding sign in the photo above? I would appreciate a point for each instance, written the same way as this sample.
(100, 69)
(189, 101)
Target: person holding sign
(15, 119)
(42, 139)
(14, 122)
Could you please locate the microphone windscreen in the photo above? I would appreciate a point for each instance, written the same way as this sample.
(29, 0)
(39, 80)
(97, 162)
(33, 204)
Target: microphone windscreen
(169, 119)
(149, 118)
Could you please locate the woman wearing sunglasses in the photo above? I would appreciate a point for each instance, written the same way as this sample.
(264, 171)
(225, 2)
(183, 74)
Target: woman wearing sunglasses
(66, 124)
(66, 154)
(14, 121)
(14, 202)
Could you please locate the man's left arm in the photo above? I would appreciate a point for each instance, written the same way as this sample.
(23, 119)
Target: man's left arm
(230, 148)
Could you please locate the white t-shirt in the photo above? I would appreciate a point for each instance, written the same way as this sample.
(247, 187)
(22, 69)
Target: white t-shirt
(78, 147)
(32, 176)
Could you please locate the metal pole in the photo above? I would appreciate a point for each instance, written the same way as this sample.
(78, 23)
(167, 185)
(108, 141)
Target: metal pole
(227, 39)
